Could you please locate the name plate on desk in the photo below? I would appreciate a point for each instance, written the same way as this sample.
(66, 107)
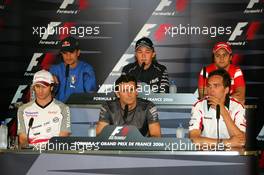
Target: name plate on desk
(156, 98)
(120, 138)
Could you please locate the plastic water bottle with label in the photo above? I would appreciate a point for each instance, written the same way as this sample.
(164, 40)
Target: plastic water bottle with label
(180, 131)
(173, 87)
(3, 135)
(92, 129)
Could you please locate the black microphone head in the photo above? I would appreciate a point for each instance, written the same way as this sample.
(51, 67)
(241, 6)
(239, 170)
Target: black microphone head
(125, 112)
(143, 65)
(67, 70)
(217, 111)
(30, 123)
(204, 72)
(126, 107)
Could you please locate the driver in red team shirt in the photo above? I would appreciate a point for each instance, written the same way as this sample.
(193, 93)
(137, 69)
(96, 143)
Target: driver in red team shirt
(222, 59)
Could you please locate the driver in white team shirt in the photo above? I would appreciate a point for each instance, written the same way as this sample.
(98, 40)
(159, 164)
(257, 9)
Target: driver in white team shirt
(50, 117)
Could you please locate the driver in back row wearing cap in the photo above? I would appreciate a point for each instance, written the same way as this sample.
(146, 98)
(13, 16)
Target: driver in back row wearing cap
(72, 75)
(146, 68)
(222, 59)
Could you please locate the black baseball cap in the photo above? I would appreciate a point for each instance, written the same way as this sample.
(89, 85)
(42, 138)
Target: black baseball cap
(69, 44)
(146, 42)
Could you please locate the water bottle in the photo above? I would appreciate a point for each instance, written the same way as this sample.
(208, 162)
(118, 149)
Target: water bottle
(173, 87)
(180, 131)
(92, 129)
(3, 135)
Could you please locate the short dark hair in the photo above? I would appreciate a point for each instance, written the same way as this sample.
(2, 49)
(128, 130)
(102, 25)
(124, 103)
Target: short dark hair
(223, 73)
(124, 78)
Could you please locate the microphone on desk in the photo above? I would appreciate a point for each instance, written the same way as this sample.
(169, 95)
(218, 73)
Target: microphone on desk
(217, 120)
(140, 70)
(30, 123)
(204, 79)
(125, 113)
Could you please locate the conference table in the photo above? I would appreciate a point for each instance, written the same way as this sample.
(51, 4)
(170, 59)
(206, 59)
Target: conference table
(125, 151)
(128, 162)
(115, 151)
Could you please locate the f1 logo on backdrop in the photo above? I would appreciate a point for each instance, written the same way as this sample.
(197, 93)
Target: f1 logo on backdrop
(163, 4)
(119, 133)
(40, 61)
(65, 3)
(244, 31)
(145, 31)
(170, 8)
(50, 30)
(55, 28)
(33, 63)
(45, 31)
(63, 9)
(251, 3)
(19, 93)
(252, 7)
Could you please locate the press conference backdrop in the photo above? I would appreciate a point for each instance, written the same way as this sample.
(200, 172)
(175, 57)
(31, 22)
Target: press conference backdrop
(183, 32)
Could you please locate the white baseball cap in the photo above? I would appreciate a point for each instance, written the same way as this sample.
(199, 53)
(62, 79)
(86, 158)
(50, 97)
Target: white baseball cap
(43, 77)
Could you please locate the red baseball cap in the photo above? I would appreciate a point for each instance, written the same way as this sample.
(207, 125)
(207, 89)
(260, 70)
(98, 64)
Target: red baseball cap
(222, 45)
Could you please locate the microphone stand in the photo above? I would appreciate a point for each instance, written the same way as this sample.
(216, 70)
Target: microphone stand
(140, 71)
(30, 123)
(67, 69)
(125, 113)
(217, 122)
(204, 80)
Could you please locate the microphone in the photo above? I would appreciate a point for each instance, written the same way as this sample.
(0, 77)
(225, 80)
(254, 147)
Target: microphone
(30, 123)
(204, 79)
(67, 70)
(204, 72)
(140, 70)
(217, 112)
(125, 113)
(217, 120)
(142, 65)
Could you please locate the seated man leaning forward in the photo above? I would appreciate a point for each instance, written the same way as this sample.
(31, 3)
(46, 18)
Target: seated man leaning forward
(47, 116)
(232, 122)
(127, 109)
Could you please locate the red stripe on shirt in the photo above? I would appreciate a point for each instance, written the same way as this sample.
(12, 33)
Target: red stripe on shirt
(201, 124)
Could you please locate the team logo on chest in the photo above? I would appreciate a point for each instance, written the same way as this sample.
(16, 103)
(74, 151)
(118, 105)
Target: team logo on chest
(48, 130)
(55, 119)
(73, 81)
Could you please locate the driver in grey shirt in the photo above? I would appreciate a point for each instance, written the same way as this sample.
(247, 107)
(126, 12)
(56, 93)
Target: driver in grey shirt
(128, 109)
